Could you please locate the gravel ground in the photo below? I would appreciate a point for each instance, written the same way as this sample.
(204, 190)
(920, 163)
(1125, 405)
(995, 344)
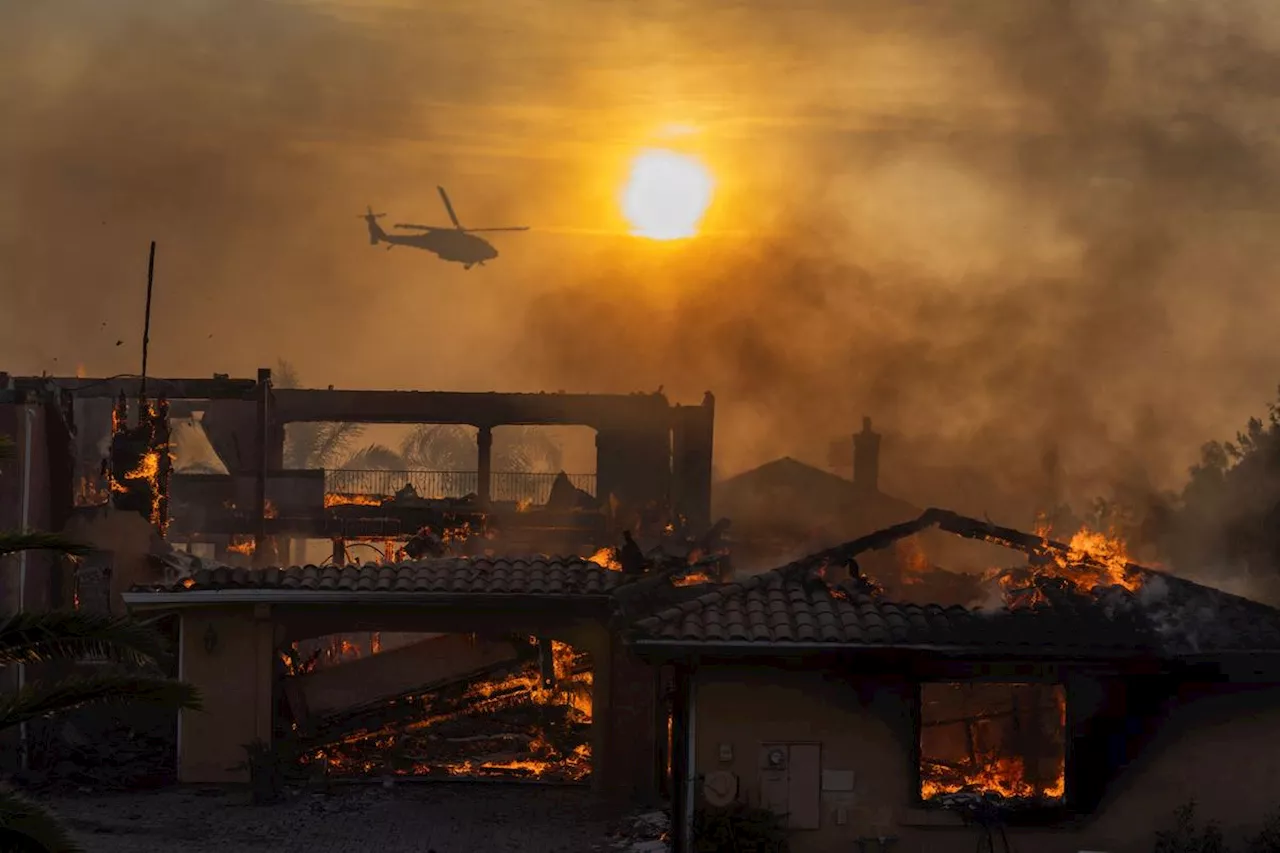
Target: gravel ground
(441, 817)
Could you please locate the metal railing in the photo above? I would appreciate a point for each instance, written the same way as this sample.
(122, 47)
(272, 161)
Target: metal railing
(515, 486)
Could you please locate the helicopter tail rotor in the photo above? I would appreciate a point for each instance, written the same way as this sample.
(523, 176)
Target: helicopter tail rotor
(376, 234)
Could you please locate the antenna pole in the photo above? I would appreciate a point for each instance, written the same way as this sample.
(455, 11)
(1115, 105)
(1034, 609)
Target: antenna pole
(146, 325)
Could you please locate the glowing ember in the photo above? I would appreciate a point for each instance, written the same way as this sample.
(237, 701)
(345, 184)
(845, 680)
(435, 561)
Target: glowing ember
(692, 579)
(333, 499)
(241, 545)
(91, 491)
(992, 775)
(912, 561)
(606, 558)
(509, 725)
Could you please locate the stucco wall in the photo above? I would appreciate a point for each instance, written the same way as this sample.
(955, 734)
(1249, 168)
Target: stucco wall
(235, 680)
(1208, 749)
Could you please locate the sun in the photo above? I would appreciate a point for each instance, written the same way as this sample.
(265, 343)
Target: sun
(666, 195)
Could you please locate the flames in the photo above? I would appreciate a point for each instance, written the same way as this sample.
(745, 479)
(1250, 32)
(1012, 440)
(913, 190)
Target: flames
(333, 499)
(507, 717)
(606, 558)
(692, 579)
(1092, 559)
(241, 544)
(993, 740)
(1004, 776)
(151, 473)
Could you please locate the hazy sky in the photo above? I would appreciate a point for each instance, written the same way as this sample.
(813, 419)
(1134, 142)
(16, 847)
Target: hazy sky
(992, 225)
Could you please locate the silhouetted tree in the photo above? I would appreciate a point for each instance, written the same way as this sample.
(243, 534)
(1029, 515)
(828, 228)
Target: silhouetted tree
(1226, 521)
(313, 445)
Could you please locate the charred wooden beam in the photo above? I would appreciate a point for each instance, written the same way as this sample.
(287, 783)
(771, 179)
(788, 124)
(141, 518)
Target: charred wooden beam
(218, 388)
(1036, 547)
(472, 408)
(546, 663)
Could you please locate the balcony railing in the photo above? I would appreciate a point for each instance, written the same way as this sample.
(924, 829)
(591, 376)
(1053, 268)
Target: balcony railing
(515, 486)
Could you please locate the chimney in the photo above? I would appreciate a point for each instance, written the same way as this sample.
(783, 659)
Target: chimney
(866, 458)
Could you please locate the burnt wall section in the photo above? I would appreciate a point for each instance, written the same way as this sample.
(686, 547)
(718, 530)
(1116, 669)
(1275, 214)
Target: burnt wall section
(26, 481)
(627, 740)
(140, 460)
(691, 451)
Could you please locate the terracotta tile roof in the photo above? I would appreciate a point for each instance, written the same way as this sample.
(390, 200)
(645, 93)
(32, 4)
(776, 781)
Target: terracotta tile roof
(1166, 616)
(784, 607)
(535, 576)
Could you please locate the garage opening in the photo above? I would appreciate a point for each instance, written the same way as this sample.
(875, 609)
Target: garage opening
(450, 706)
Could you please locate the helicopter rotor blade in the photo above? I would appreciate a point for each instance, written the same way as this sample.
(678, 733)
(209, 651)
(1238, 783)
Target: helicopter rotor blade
(421, 227)
(509, 228)
(453, 217)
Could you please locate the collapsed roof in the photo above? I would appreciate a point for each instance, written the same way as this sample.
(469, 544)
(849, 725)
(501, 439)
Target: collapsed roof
(1063, 604)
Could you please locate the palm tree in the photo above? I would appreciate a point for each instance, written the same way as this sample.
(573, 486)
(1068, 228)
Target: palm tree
(31, 638)
(312, 445)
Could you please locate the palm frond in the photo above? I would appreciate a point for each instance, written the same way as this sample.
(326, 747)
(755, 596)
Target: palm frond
(41, 700)
(439, 447)
(33, 637)
(331, 439)
(375, 457)
(11, 542)
(28, 827)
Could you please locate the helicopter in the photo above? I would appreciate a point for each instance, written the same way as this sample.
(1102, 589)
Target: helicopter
(456, 244)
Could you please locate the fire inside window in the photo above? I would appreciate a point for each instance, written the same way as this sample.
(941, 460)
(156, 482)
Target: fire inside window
(989, 738)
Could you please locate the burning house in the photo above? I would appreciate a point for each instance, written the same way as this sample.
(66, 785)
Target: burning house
(1070, 703)
(516, 669)
(653, 468)
(444, 658)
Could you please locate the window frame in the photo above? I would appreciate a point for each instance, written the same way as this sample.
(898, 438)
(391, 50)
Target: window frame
(1016, 674)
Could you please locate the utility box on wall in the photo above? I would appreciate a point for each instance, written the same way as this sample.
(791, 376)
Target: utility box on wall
(791, 782)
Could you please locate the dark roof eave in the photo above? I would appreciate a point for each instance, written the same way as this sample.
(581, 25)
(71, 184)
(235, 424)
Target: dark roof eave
(693, 648)
(168, 599)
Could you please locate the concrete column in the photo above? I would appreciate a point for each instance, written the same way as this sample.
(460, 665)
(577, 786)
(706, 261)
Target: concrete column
(227, 654)
(484, 463)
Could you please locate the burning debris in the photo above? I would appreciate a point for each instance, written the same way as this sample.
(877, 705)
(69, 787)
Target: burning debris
(994, 740)
(687, 561)
(1090, 562)
(511, 722)
(448, 540)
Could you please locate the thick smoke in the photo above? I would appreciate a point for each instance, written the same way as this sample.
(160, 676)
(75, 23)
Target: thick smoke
(997, 227)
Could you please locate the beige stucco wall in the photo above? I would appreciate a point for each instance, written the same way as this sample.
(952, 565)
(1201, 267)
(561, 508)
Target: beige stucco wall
(1212, 750)
(235, 681)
